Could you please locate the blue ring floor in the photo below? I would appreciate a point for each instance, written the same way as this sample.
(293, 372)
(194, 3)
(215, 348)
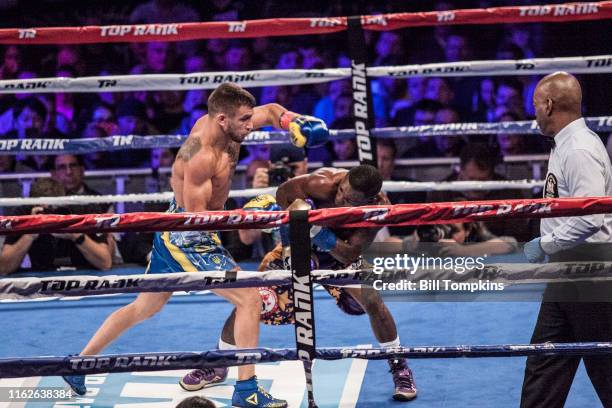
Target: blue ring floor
(193, 323)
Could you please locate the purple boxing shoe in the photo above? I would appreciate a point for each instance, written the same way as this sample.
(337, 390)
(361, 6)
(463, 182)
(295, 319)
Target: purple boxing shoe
(405, 388)
(197, 379)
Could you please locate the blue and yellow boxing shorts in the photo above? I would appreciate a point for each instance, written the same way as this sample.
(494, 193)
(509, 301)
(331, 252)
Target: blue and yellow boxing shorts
(188, 251)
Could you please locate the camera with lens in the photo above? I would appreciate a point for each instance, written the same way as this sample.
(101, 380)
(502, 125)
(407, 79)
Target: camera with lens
(279, 172)
(434, 233)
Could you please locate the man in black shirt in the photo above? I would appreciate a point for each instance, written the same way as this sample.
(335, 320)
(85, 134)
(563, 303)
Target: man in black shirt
(50, 251)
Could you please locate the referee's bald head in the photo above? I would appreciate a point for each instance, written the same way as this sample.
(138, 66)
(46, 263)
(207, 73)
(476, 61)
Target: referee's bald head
(558, 101)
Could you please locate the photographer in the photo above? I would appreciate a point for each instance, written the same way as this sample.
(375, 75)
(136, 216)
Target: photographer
(49, 251)
(286, 161)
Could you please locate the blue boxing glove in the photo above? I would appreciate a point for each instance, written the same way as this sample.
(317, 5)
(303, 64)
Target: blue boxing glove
(304, 131)
(533, 251)
(263, 202)
(323, 238)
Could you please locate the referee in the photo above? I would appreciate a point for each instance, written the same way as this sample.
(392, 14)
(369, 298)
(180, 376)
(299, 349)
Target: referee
(579, 166)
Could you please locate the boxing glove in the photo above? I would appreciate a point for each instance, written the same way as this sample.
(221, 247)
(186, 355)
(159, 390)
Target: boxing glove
(263, 202)
(323, 238)
(533, 251)
(304, 131)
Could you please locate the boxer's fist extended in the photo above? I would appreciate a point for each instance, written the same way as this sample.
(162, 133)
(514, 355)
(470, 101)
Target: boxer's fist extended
(263, 202)
(304, 131)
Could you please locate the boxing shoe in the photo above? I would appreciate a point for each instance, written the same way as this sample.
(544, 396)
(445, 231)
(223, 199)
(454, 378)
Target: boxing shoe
(77, 383)
(405, 388)
(248, 394)
(197, 379)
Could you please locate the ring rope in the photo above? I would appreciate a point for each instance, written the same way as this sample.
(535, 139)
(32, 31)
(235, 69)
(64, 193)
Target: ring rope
(123, 142)
(344, 217)
(118, 363)
(303, 26)
(91, 285)
(595, 64)
(388, 186)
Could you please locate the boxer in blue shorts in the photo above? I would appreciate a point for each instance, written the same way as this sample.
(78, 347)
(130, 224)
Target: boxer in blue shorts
(188, 251)
(201, 180)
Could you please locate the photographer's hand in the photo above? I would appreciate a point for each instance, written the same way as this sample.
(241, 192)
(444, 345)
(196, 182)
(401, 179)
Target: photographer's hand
(35, 211)
(67, 235)
(260, 179)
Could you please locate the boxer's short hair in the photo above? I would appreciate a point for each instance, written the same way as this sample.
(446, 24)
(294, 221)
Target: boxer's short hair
(227, 98)
(366, 179)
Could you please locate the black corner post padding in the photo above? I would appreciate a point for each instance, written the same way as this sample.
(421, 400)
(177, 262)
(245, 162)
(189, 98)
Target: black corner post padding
(299, 239)
(363, 106)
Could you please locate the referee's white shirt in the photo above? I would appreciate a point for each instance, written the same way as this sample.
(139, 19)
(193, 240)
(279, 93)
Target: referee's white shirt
(579, 166)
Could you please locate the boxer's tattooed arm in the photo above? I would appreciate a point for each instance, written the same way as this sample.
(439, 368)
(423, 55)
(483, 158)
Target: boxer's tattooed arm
(189, 149)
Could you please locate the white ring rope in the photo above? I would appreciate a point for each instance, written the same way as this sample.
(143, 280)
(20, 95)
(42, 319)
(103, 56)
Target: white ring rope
(210, 80)
(86, 285)
(388, 186)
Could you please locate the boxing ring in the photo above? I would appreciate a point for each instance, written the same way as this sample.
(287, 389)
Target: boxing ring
(347, 375)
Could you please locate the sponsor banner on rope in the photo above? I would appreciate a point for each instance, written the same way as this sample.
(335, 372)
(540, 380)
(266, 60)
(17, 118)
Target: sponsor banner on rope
(210, 80)
(161, 82)
(577, 65)
(122, 142)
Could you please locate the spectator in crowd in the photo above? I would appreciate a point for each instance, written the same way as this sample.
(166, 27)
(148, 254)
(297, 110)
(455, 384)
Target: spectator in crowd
(132, 120)
(110, 98)
(520, 35)
(161, 158)
(237, 57)
(477, 163)
(196, 63)
(423, 113)
(50, 251)
(390, 49)
(29, 117)
(448, 146)
(338, 149)
(167, 12)
(167, 110)
(416, 87)
(70, 56)
(483, 107)
(512, 144)
(386, 154)
(99, 159)
(158, 59)
(69, 171)
(65, 107)
(324, 109)
(11, 63)
(193, 114)
(509, 93)
(437, 89)
(457, 48)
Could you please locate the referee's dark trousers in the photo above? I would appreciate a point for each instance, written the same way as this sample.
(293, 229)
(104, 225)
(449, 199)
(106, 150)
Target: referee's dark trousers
(571, 312)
